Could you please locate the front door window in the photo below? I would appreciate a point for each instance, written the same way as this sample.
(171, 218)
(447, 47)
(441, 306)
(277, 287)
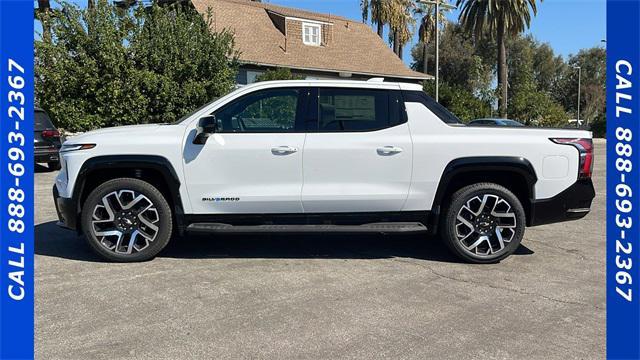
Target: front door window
(268, 111)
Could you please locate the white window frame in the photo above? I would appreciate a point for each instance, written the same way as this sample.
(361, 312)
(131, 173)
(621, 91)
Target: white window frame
(308, 38)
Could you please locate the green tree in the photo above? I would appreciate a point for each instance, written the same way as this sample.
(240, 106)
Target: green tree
(529, 103)
(151, 65)
(181, 64)
(42, 14)
(548, 67)
(593, 62)
(498, 19)
(278, 74)
(83, 79)
(460, 101)
(460, 66)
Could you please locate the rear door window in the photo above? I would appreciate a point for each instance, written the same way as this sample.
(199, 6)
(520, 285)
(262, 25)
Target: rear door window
(344, 110)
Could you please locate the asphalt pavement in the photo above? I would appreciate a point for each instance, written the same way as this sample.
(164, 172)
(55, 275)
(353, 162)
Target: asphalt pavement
(323, 297)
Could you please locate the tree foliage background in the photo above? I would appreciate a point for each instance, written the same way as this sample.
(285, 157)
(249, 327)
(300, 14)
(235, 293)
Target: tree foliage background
(543, 87)
(278, 74)
(106, 66)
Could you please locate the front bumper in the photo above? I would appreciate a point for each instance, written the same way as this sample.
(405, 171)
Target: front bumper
(571, 204)
(66, 209)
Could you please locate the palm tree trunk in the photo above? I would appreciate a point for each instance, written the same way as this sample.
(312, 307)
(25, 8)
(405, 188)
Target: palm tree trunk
(400, 51)
(425, 58)
(380, 29)
(502, 70)
(396, 43)
(90, 4)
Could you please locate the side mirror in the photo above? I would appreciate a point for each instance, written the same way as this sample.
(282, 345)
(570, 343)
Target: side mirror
(207, 125)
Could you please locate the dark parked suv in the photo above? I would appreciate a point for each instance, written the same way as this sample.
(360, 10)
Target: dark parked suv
(46, 141)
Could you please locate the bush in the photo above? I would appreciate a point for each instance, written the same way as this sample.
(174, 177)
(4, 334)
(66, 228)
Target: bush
(106, 67)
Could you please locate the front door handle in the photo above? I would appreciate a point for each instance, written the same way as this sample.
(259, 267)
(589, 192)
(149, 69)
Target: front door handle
(283, 150)
(389, 150)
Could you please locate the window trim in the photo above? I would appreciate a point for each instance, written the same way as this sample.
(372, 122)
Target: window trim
(304, 94)
(311, 26)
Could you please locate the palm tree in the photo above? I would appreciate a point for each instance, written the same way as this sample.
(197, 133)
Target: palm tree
(378, 10)
(401, 23)
(499, 19)
(427, 28)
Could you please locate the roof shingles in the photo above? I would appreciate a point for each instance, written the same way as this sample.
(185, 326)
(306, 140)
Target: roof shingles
(353, 46)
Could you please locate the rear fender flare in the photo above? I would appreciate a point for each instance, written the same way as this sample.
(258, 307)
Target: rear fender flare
(460, 166)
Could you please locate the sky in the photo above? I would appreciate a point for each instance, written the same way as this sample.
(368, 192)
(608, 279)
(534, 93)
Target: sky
(567, 25)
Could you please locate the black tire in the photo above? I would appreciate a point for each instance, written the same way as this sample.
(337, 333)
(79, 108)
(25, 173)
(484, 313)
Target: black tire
(483, 224)
(164, 222)
(54, 165)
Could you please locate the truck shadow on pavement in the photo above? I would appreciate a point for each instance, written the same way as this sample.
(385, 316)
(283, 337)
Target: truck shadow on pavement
(39, 168)
(51, 240)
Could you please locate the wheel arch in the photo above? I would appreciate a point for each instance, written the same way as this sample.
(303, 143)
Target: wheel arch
(156, 170)
(515, 173)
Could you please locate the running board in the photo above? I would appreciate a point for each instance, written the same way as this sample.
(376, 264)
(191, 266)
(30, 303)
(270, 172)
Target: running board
(390, 227)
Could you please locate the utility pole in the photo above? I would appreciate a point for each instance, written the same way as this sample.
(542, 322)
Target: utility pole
(437, 4)
(579, 83)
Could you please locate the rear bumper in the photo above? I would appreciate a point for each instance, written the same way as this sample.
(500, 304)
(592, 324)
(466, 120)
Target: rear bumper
(571, 204)
(46, 156)
(66, 209)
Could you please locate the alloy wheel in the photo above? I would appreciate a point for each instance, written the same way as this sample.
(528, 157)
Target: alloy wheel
(125, 222)
(485, 225)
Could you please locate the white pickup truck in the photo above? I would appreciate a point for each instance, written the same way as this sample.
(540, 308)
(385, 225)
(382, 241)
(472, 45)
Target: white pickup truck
(321, 156)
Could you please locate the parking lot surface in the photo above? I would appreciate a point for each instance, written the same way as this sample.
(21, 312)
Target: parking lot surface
(323, 297)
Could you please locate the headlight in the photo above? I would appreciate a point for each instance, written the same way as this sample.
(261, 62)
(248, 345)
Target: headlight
(74, 147)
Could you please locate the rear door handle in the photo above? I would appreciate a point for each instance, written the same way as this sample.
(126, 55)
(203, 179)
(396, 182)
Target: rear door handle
(283, 150)
(389, 150)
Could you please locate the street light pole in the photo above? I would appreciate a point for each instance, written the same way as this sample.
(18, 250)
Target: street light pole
(437, 53)
(437, 8)
(579, 83)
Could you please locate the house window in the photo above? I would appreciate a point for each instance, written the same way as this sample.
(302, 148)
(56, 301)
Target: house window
(311, 34)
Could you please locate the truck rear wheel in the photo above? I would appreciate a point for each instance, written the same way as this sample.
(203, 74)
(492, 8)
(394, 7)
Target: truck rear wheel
(126, 220)
(484, 223)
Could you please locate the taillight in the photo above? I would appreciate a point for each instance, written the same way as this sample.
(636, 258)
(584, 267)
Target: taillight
(50, 133)
(585, 149)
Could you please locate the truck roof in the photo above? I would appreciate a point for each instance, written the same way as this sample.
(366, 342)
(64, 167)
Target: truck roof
(369, 84)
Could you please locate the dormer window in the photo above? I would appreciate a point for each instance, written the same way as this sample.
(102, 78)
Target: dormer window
(311, 34)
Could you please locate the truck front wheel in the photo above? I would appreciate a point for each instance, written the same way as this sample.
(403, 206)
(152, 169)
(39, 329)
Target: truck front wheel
(126, 220)
(484, 223)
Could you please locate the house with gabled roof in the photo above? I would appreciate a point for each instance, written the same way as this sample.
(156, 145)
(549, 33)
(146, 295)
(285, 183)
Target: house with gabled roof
(312, 45)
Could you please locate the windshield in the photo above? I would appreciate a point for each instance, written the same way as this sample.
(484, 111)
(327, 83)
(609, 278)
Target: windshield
(512, 123)
(195, 111)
